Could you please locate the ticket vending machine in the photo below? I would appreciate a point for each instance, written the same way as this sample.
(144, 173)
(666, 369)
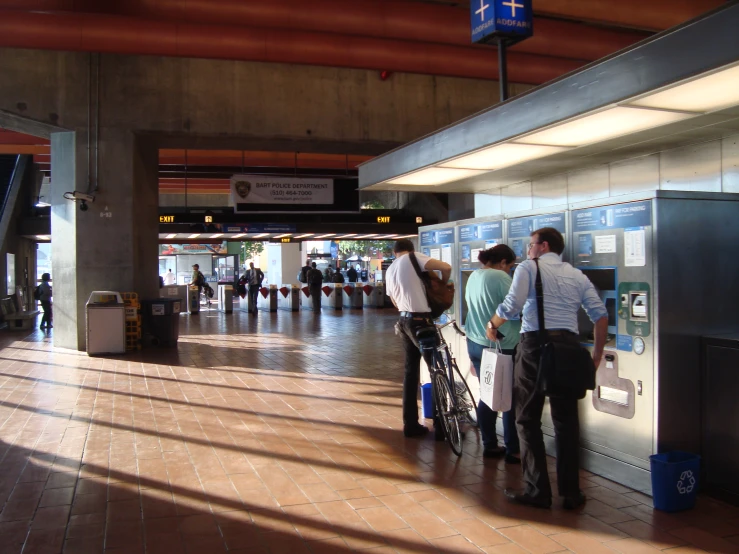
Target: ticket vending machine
(520, 227)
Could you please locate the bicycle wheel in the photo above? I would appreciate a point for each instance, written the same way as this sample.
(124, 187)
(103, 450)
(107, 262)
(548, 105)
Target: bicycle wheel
(466, 403)
(447, 412)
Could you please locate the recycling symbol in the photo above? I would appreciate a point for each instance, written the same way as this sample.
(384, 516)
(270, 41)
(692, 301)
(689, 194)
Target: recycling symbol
(686, 484)
(488, 378)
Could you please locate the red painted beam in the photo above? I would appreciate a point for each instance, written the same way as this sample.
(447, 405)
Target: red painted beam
(123, 35)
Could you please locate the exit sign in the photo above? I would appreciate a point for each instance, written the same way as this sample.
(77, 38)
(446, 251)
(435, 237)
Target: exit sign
(285, 239)
(383, 219)
(166, 219)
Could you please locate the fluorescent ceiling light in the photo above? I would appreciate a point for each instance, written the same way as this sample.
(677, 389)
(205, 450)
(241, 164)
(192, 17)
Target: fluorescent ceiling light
(171, 235)
(43, 237)
(260, 235)
(603, 125)
(304, 235)
(325, 236)
(366, 236)
(238, 236)
(194, 236)
(503, 155)
(434, 176)
(217, 235)
(407, 236)
(284, 235)
(387, 236)
(347, 236)
(705, 94)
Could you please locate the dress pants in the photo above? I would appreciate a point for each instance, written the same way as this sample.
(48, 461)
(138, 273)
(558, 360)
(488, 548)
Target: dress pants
(409, 326)
(315, 295)
(529, 405)
(253, 292)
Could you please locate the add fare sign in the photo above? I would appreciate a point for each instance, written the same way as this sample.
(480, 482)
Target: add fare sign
(501, 19)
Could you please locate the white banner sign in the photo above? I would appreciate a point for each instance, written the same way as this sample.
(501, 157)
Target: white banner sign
(261, 189)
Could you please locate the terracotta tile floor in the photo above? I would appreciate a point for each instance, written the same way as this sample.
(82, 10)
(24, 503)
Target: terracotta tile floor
(275, 434)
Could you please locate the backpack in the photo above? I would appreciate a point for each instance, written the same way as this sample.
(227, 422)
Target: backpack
(208, 290)
(37, 293)
(201, 279)
(303, 276)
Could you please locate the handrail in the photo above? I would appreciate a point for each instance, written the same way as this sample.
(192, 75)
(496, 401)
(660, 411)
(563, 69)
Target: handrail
(10, 185)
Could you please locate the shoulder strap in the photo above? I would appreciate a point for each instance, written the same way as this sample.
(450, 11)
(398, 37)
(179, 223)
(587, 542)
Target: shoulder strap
(414, 262)
(540, 304)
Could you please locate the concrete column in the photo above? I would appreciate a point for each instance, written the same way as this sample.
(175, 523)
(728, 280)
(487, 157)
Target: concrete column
(114, 244)
(284, 263)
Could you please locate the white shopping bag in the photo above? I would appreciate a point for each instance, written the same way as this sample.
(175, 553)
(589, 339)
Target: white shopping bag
(496, 379)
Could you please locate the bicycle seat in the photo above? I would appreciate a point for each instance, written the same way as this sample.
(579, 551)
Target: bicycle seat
(425, 333)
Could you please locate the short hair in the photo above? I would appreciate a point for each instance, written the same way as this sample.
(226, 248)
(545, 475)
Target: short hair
(497, 254)
(403, 245)
(553, 237)
(46, 277)
(313, 265)
(196, 265)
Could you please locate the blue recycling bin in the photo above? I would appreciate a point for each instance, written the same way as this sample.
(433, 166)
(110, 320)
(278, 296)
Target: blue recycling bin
(426, 401)
(674, 480)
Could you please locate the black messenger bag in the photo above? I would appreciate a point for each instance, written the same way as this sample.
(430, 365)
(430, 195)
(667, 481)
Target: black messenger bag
(565, 370)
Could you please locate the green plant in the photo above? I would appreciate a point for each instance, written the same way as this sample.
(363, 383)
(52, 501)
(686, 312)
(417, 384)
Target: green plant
(372, 248)
(249, 250)
(372, 205)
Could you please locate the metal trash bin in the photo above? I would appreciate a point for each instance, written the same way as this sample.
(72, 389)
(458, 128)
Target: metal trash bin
(352, 295)
(332, 296)
(105, 323)
(193, 300)
(160, 320)
(226, 299)
(289, 298)
(267, 299)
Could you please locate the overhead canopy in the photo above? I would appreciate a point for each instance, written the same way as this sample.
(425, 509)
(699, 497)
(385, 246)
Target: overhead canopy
(678, 88)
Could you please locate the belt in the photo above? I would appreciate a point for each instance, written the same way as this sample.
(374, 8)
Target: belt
(415, 314)
(551, 333)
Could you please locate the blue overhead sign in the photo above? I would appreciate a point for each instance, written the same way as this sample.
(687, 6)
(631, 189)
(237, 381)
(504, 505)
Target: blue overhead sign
(524, 226)
(506, 19)
(483, 231)
(440, 236)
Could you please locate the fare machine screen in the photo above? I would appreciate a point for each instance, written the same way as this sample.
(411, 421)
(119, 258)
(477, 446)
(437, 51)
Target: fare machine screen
(438, 243)
(611, 245)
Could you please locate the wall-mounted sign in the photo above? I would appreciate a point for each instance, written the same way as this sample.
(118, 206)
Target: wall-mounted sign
(174, 249)
(166, 219)
(285, 239)
(209, 219)
(619, 216)
(261, 189)
(439, 236)
(256, 228)
(524, 226)
(419, 220)
(495, 19)
(383, 219)
(481, 231)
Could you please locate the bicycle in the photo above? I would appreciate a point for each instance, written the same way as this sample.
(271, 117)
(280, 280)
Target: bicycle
(455, 404)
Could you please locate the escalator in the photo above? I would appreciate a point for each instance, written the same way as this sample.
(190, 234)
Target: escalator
(7, 169)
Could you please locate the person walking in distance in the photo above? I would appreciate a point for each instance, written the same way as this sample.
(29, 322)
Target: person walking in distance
(197, 279)
(45, 298)
(351, 274)
(486, 288)
(254, 278)
(169, 278)
(315, 280)
(565, 290)
(408, 294)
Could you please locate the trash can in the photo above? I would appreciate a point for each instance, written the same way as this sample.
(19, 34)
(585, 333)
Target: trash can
(332, 296)
(160, 319)
(426, 401)
(267, 299)
(226, 298)
(106, 323)
(353, 295)
(193, 300)
(674, 480)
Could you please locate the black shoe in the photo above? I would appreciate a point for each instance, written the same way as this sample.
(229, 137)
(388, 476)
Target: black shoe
(511, 459)
(415, 431)
(527, 500)
(494, 452)
(574, 502)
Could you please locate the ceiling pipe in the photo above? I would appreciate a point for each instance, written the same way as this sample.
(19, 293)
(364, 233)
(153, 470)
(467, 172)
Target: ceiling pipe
(394, 20)
(125, 35)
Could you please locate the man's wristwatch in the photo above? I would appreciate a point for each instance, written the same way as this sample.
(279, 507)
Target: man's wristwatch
(491, 326)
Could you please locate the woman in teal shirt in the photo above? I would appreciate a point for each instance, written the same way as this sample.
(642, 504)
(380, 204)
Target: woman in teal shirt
(486, 288)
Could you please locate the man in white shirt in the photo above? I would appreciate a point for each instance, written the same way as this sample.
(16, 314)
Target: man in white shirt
(406, 290)
(169, 278)
(565, 289)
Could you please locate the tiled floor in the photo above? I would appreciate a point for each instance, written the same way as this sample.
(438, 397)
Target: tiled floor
(275, 434)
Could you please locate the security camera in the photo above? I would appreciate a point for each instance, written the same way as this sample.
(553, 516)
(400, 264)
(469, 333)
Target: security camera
(82, 196)
(83, 206)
